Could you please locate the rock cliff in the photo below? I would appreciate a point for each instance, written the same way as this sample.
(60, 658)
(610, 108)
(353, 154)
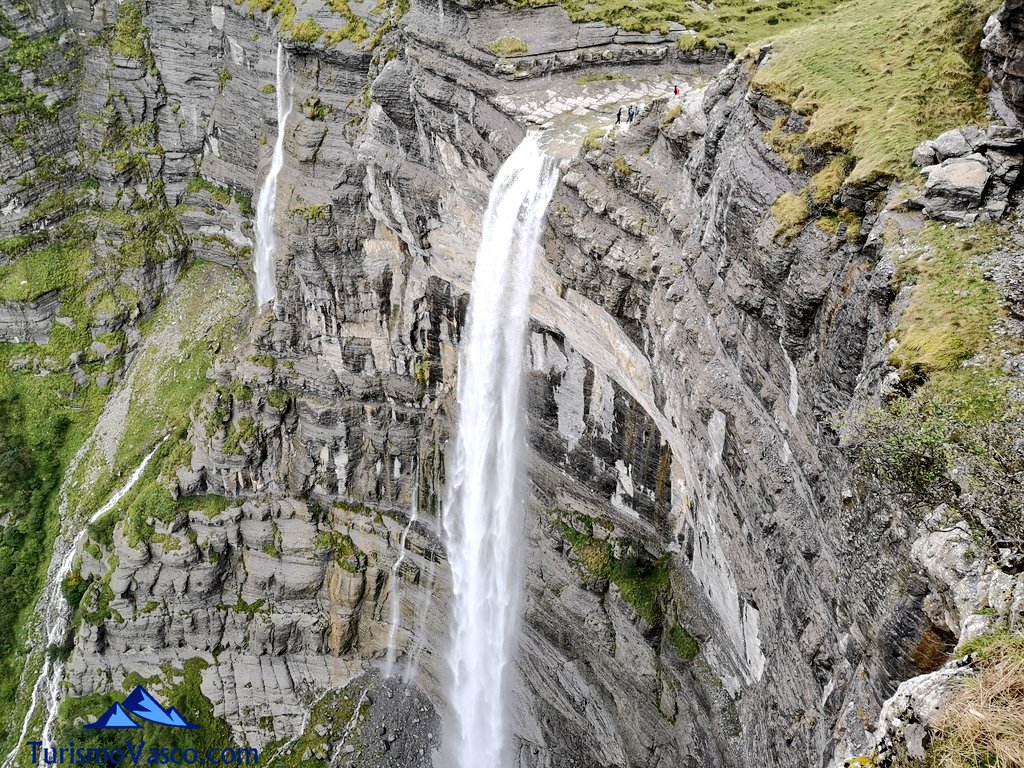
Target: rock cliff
(708, 581)
(1004, 60)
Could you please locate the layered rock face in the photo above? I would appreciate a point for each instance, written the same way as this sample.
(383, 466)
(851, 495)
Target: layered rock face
(688, 370)
(1004, 60)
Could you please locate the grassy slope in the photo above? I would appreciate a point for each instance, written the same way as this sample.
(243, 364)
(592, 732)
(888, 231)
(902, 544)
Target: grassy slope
(737, 23)
(877, 77)
(207, 309)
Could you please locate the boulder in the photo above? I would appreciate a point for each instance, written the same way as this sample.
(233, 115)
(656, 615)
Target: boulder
(951, 144)
(956, 186)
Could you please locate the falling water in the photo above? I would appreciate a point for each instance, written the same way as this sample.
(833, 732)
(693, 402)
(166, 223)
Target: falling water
(484, 513)
(427, 578)
(396, 579)
(794, 382)
(56, 621)
(266, 239)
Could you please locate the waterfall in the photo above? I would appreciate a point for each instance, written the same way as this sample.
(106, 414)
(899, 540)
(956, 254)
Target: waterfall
(266, 239)
(484, 511)
(427, 578)
(396, 580)
(794, 382)
(57, 621)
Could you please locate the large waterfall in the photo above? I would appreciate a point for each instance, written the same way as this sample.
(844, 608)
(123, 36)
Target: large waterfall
(484, 511)
(266, 238)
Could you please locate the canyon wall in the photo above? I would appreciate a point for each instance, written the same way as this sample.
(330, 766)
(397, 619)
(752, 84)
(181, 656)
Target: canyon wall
(707, 583)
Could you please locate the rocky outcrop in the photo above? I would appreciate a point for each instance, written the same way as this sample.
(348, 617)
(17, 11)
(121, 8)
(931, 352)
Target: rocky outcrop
(1004, 60)
(28, 321)
(971, 175)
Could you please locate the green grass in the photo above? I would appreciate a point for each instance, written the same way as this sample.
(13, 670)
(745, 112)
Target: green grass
(354, 30)
(685, 644)
(953, 306)
(953, 436)
(736, 23)
(876, 78)
(58, 265)
(177, 687)
(790, 212)
(306, 31)
(130, 37)
(507, 46)
(642, 580)
(328, 728)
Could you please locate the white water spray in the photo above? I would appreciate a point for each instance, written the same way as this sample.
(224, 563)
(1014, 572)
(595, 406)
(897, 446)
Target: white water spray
(56, 621)
(484, 513)
(396, 580)
(266, 238)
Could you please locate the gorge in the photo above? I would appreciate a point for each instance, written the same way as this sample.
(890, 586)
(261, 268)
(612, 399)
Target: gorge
(278, 280)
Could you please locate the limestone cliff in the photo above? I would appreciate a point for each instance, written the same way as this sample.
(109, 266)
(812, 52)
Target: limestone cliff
(709, 583)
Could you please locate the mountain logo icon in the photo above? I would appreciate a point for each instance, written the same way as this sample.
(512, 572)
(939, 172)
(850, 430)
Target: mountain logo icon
(142, 705)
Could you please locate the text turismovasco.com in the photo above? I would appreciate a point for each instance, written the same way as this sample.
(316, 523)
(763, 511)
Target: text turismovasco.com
(140, 754)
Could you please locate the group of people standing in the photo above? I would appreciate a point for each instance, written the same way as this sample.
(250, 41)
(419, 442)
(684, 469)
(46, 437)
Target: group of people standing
(630, 115)
(634, 112)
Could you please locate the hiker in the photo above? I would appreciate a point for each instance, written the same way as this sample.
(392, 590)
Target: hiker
(629, 116)
(677, 90)
(618, 116)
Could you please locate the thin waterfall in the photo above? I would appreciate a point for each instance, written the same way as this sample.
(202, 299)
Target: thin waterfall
(266, 205)
(794, 381)
(484, 514)
(396, 581)
(427, 579)
(57, 620)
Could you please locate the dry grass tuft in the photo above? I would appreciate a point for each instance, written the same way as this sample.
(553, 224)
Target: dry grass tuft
(983, 724)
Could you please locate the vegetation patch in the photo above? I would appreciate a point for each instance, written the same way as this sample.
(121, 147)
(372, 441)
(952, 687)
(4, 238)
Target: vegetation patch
(877, 94)
(684, 644)
(982, 725)
(594, 138)
(620, 167)
(507, 46)
(791, 214)
(176, 687)
(355, 28)
(735, 23)
(952, 307)
(641, 579)
(346, 554)
(331, 728)
(953, 437)
(306, 31)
